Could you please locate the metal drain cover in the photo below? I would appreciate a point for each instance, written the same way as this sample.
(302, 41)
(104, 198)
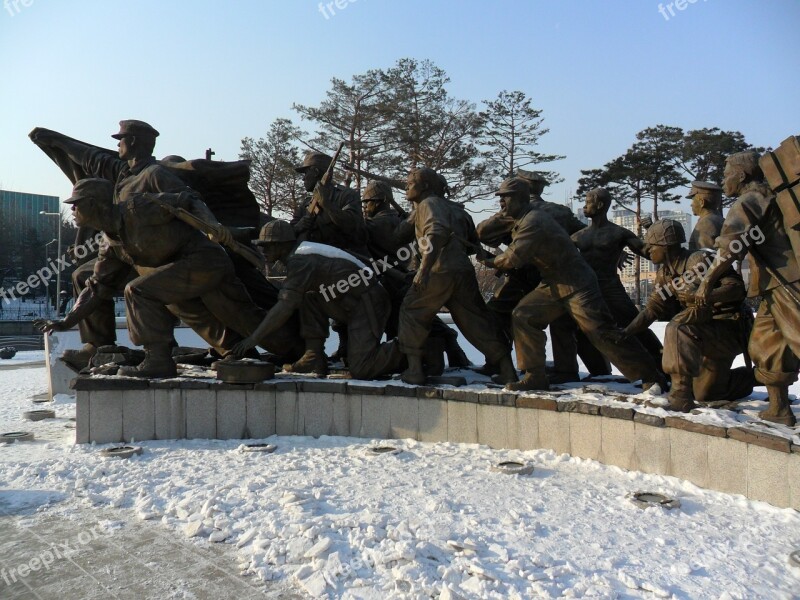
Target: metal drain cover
(512, 467)
(645, 499)
(16, 436)
(121, 451)
(39, 415)
(268, 448)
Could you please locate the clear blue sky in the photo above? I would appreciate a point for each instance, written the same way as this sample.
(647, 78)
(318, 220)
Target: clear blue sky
(209, 73)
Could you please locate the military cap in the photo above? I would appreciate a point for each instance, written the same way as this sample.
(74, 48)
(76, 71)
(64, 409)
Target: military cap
(665, 232)
(275, 231)
(377, 190)
(101, 189)
(314, 159)
(532, 177)
(134, 127)
(704, 187)
(512, 186)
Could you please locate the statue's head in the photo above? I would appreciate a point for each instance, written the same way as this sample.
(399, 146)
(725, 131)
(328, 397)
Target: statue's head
(313, 168)
(377, 196)
(276, 239)
(421, 183)
(598, 201)
(740, 169)
(137, 139)
(663, 238)
(91, 199)
(515, 196)
(536, 181)
(705, 196)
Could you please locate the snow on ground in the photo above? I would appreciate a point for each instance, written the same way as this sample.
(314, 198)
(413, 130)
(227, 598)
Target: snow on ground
(432, 521)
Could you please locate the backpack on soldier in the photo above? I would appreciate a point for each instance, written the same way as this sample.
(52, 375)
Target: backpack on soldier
(781, 169)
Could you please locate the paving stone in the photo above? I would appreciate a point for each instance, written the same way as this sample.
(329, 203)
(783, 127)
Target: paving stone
(432, 420)
(170, 414)
(179, 384)
(527, 428)
(689, 456)
(646, 419)
(617, 412)
(287, 420)
(652, 448)
(376, 417)
(82, 410)
(767, 475)
(406, 391)
(493, 425)
(105, 416)
(462, 422)
(687, 425)
(231, 414)
(585, 435)
(619, 443)
(405, 417)
(537, 402)
(757, 438)
(497, 399)
(576, 406)
(727, 466)
(260, 413)
(554, 431)
(316, 411)
(86, 382)
(138, 415)
(201, 414)
(461, 395)
(429, 392)
(366, 389)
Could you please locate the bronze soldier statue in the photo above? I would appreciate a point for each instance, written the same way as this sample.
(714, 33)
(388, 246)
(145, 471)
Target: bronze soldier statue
(707, 206)
(323, 283)
(601, 245)
(179, 273)
(755, 225)
(568, 286)
(135, 171)
(446, 277)
(700, 343)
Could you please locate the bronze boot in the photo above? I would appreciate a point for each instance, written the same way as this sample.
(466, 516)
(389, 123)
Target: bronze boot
(780, 410)
(433, 356)
(313, 361)
(158, 362)
(507, 374)
(681, 395)
(414, 374)
(79, 359)
(532, 381)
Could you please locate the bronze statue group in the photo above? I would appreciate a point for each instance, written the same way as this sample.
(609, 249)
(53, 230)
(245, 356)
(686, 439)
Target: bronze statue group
(374, 272)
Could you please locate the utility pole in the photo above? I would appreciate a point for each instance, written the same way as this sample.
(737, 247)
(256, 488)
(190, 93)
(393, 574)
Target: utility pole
(209, 153)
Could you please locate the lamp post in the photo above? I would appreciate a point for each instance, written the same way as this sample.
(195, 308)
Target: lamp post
(58, 254)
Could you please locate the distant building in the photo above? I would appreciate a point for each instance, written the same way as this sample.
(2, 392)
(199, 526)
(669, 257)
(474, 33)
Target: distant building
(24, 231)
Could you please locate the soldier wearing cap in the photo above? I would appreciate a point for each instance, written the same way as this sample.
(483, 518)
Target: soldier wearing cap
(757, 226)
(323, 283)
(179, 273)
(569, 286)
(601, 245)
(700, 343)
(706, 205)
(134, 171)
(338, 221)
(445, 277)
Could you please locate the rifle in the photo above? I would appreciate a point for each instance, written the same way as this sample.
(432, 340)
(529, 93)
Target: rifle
(249, 254)
(314, 207)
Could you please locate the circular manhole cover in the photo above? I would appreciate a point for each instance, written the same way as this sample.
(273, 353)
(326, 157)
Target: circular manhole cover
(16, 436)
(377, 450)
(39, 415)
(645, 499)
(794, 559)
(121, 451)
(512, 467)
(268, 448)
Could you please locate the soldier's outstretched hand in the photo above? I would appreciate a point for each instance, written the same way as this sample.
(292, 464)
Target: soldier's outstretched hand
(48, 325)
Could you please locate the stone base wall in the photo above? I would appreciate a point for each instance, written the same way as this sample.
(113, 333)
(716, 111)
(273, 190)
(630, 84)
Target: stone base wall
(733, 460)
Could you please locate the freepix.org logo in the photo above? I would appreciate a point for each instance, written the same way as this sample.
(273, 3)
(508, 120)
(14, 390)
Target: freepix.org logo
(14, 7)
(668, 11)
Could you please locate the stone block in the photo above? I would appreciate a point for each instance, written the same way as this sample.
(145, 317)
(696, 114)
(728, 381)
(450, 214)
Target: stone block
(512, 426)
(462, 422)
(537, 402)
(404, 391)
(585, 435)
(527, 428)
(758, 438)
(105, 416)
(619, 443)
(323, 385)
(341, 415)
(576, 406)
(138, 415)
(429, 392)
(286, 413)
(687, 425)
(646, 419)
(201, 414)
(461, 395)
(316, 412)
(260, 408)
(493, 425)
(554, 431)
(432, 420)
(404, 417)
(231, 414)
(90, 383)
(354, 413)
(376, 417)
(497, 399)
(170, 414)
(82, 411)
(652, 448)
(366, 389)
(768, 475)
(689, 456)
(286, 385)
(727, 466)
(794, 481)
(617, 412)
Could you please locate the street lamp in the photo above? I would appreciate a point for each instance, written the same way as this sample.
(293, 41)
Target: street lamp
(58, 254)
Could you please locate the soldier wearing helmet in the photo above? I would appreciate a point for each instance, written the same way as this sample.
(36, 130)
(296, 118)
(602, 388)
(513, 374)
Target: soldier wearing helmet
(324, 283)
(700, 343)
